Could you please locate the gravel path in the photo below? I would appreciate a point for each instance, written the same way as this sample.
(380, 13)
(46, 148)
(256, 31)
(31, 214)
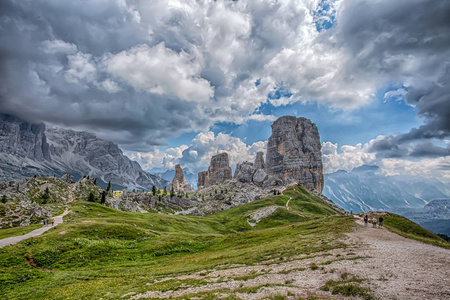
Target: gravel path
(391, 266)
(409, 269)
(15, 239)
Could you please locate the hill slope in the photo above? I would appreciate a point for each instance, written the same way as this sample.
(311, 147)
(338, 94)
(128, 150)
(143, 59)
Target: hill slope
(103, 244)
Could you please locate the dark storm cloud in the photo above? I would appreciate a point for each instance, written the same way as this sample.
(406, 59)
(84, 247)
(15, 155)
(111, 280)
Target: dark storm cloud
(407, 42)
(428, 149)
(36, 84)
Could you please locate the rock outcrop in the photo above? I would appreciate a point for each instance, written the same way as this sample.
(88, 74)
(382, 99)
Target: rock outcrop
(179, 183)
(30, 149)
(219, 171)
(247, 172)
(294, 154)
(244, 172)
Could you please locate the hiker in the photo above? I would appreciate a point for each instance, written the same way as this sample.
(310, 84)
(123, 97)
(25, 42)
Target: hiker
(366, 219)
(380, 222)
(43, 221)
(53, 221)
(374, 222)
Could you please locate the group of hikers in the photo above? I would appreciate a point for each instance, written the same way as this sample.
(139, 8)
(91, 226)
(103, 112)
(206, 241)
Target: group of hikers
(373, 221)
(49, 221)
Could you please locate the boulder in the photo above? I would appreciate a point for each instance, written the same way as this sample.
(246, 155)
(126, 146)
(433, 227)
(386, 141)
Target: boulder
(244, 172)
(259, 177)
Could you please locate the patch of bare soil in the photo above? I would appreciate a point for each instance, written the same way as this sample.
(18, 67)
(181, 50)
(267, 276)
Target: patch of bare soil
(390, 267)
(31, 262)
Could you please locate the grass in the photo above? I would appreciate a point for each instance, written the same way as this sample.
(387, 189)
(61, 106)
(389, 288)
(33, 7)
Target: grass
(348, 287)
(100, 252)
(16, 231)
(409, 229)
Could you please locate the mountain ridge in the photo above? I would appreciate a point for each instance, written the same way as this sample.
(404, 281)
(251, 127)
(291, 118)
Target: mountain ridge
(28, 149)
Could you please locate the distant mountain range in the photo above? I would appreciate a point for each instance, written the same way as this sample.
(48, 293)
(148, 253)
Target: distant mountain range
(28, 149)
(435, 216)
(366, 188)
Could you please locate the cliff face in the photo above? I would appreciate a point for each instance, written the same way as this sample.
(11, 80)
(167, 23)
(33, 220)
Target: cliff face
(294, 153)
(179, 183)
(22, 139)
(29, 149)
(219, 171)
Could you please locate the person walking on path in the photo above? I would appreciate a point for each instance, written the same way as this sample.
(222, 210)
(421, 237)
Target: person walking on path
(374, 223)
(15, 239)
(380, 222)
(53, 221)
(366, 219)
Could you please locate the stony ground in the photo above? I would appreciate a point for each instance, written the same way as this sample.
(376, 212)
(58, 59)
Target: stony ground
(390, 267)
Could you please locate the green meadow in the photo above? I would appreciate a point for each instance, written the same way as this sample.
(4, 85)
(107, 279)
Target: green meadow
(99, 252)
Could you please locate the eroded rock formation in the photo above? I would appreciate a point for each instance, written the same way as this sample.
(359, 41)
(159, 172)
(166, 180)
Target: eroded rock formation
(219, 171)
(294, 154)
(179, 183)
(244, 172)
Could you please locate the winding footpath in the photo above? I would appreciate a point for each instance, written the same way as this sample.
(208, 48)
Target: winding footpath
(16, 239)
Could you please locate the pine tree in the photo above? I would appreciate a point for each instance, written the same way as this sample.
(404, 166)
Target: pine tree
(172, 193)
(91, 197)
(165, 191)
(95, 181)
(4, 199)
(103, 199)
(45, 196)
(109, 186)
(154, 190)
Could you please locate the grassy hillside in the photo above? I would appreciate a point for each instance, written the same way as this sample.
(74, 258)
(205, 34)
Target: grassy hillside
(409, 229)
(104, 253)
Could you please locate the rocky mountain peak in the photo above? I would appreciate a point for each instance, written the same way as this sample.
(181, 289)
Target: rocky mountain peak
(28, 149)
(294, 153)
(179, 183)
(219, 171)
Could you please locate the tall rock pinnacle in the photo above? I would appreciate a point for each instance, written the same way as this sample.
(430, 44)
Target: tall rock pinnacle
(219, 171)
(179, 183)
(294, 153)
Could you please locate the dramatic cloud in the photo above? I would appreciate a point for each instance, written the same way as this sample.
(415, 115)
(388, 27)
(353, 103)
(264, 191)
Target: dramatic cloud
(159, 70)
(197, 156)
(141, 72)
(347, 159)
(422, 159)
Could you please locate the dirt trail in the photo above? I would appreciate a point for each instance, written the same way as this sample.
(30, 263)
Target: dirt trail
(287, 203)
(15, 239)
(391, 266)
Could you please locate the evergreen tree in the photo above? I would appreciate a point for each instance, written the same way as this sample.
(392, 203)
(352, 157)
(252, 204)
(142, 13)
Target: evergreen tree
(165, 191)
(91, 197)
(154, 190)
(45, 196)
(109, 186)
(172, 193)
(103, 199)
(4, 199)
(88, 177)
(95, 181)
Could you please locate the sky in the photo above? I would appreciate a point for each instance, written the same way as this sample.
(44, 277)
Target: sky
(178, 81)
